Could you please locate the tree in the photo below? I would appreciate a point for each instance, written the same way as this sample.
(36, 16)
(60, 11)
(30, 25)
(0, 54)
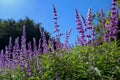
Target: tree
(13, 28)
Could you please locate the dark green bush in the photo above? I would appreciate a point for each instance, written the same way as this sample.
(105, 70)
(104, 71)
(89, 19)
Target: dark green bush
(81, 63)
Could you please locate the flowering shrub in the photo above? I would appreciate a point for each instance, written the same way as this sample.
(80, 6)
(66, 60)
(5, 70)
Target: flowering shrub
(60, 61)
(93, 63)
(81, 63)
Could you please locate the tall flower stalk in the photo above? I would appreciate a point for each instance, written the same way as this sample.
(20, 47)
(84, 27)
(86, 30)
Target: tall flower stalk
(83, 19)
(56, 27)
(112, 27)
(51, 44)
(89, 26)
(80, 29)
(35, 47)
(23, 41)
(45, 46)
(114, 19)
(10, 45)
(103, 28)
(44, 42)
(66, 44)
(23, 49)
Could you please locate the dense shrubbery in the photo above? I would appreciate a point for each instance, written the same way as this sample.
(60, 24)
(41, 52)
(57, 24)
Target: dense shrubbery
(55, 60)
(80, 63)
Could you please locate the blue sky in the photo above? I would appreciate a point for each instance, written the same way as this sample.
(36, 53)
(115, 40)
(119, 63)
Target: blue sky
(41, 11)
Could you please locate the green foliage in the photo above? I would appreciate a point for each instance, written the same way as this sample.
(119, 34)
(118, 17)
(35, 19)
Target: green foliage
(80, 63)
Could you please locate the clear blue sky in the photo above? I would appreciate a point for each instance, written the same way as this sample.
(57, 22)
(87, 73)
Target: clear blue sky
(41, 11)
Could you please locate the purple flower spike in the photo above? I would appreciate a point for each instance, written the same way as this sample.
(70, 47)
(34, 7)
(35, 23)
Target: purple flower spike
(23, 41)
(29, 70)
(44, 45)
(66, 39)
(39, 47)
(35, 47)
(89, 25)
(113, 25)
(38, 66)
(7, 57)
(30, 52)
(2, 62)
(80, 29)
(89, 18)
(10, 45)
(83, 19)
(17, 44)
(56, 26)
(51, 42)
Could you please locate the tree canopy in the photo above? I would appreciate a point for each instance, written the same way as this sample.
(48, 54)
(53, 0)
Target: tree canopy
(13, 28)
